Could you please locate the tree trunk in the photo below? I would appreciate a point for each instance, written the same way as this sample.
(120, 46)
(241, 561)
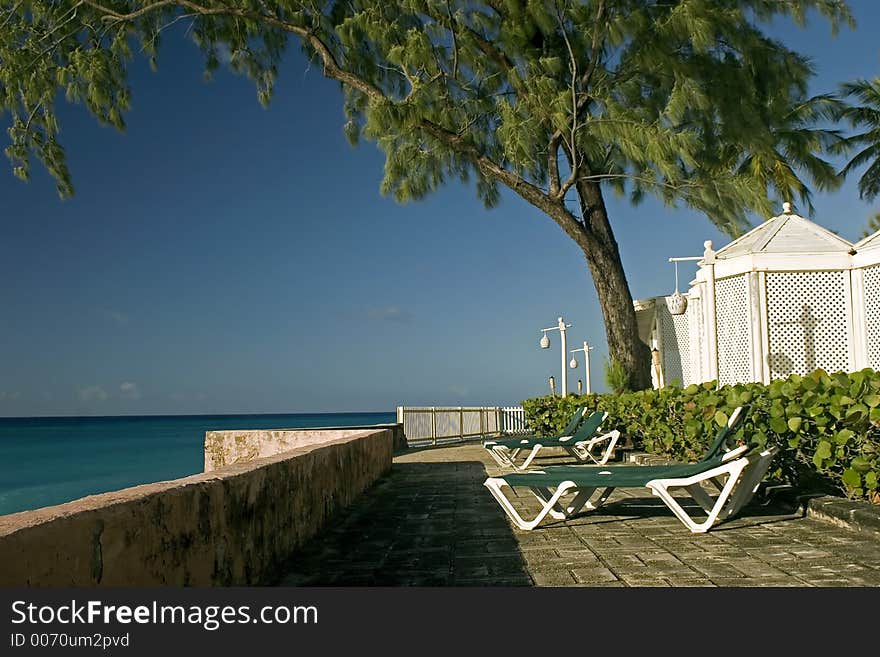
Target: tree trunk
(615, 299)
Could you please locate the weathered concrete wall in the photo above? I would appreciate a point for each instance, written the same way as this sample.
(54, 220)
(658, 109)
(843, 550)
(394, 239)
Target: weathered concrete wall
(236, 525)
(224, 448)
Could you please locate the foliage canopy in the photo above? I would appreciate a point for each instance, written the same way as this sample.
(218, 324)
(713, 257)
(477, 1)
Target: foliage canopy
(686, 99)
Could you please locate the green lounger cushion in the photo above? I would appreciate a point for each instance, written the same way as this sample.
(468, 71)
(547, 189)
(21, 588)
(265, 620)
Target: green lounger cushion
(584, 432)
(618, 476)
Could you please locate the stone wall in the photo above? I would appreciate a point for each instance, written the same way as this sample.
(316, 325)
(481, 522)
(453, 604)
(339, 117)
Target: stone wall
(224, 448)
(236, 525)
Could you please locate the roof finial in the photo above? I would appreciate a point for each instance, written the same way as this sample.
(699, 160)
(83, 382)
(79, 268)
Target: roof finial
(786, 208)
(708, 254)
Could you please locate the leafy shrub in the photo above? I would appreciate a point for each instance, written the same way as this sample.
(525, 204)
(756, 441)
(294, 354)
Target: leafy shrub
(827, 426)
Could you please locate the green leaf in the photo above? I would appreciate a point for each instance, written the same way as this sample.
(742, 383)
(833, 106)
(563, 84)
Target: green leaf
(852, 478)
(843, 436)
(823, 451)
(721, 418)
(860, 464)
(794, 424)
(778, 425)
(855, 415)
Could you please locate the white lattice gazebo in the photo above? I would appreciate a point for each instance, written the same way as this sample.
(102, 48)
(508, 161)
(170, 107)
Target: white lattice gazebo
(785, 298)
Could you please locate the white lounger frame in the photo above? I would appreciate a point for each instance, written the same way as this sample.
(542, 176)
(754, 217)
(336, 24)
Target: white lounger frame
(582, 450)
(744, 473)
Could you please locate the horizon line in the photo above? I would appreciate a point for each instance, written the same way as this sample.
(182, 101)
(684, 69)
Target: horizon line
(74, 417)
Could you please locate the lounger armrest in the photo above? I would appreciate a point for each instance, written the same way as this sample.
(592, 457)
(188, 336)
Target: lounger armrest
(680, 482)
(735, 453)
(598, 439)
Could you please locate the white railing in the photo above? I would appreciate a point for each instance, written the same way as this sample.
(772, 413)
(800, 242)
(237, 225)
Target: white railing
(453, 423)
(513, 420)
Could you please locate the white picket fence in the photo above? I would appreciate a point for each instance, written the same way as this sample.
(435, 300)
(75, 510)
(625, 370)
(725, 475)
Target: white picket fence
(436, 424)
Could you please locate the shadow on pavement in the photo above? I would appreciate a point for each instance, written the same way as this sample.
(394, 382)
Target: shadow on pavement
(423, 524)
(632, 508)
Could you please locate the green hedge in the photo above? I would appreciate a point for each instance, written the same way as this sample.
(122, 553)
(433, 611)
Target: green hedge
(827, 425)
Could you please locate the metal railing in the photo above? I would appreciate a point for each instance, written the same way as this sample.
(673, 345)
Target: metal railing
(437, 424)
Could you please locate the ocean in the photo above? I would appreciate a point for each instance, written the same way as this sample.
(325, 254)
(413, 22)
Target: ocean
(46, 461)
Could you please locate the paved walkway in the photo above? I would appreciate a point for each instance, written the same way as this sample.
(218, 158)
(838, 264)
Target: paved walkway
(430, 522)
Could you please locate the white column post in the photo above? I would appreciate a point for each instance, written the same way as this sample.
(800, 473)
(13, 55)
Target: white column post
(587, 348)
(711, 317)
(766, 372)
(753, 291)
(564, 391)
(858, 352)
(574, 364)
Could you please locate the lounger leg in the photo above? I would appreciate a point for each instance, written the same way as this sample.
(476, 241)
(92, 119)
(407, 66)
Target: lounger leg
(582, 500)
(584, 451)
(495, 485)
(701, 497)
(661, 489)
(500, 454)
(532, 454)
(543, 494)
(749, 482)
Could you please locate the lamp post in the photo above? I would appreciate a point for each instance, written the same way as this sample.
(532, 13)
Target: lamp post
(545, 344)
(552, 387)
(573, 364)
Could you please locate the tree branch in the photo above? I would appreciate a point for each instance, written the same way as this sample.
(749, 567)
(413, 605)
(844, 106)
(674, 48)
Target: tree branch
(573, 70)
(583, 98)
(454, 41)
(459, 143)
(553, 165)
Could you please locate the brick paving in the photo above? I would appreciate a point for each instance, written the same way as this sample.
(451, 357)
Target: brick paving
(430, 522)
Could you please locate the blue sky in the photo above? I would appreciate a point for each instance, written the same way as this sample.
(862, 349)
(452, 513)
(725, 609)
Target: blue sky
(219, 257)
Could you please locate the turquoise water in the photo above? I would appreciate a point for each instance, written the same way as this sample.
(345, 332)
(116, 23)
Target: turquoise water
(45, 461)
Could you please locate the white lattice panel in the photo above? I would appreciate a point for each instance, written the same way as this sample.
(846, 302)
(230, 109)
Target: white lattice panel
(675, 336)
(807, 322)
(734, 341)
(872, 315)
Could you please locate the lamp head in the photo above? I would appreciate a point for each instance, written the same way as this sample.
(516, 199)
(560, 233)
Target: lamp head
(545, 341)
(573, 363)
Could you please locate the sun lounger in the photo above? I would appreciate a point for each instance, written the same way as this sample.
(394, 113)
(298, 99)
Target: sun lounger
(584, 444)
(736, 473)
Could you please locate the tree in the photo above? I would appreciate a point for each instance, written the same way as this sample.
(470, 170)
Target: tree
(866, 115)
(872, 226)
(558, 100)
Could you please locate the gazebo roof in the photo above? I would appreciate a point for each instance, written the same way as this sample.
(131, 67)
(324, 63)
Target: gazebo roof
(871, 241)
(787, 233)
